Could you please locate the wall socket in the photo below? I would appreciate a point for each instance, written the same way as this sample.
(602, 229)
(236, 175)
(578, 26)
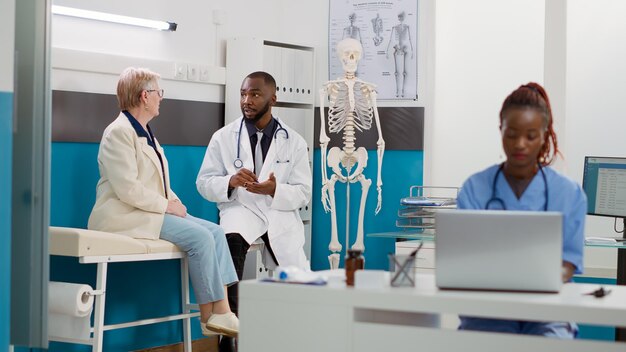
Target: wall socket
(204, 73)
(192, 72)
(180, 71)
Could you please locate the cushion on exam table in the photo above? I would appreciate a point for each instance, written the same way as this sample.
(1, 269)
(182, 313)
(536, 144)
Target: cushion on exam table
(75, 242)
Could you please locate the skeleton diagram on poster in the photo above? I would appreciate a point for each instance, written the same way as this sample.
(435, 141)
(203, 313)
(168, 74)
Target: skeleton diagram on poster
(387, 30)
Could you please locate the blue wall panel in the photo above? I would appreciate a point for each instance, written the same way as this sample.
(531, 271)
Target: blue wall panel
(135, 290)
(143, 290)
(74, 175)
(401, 170)
(6, 152)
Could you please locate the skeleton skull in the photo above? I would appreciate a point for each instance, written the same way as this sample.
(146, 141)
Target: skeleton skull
(349, 52)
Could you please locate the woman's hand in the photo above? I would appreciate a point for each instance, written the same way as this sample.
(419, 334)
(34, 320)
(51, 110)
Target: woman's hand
(175, 207)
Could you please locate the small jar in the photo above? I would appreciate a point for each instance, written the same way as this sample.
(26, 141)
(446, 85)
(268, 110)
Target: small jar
(354, 262)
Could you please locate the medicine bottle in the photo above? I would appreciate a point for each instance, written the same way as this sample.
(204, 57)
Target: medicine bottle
(354, 262)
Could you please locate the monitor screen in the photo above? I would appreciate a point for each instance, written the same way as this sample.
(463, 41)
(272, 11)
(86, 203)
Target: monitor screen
(604, 182)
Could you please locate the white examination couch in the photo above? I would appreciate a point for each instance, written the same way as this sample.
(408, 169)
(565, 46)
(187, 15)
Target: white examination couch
(102, 248)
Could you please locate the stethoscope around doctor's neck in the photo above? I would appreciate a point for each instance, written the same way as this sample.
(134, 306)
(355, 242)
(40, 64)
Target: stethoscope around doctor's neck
(497, 200)
(238, 163)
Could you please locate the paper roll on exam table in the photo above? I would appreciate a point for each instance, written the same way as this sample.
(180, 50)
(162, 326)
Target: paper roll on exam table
(69, 310)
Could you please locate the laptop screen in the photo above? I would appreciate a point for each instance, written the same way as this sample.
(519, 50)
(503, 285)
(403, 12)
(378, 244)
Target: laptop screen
(498, 250)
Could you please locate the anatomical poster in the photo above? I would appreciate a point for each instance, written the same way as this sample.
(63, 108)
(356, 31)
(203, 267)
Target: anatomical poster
(387, 31)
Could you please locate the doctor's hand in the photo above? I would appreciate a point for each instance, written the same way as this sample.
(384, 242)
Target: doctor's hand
(267, 187)
(242, 178)
(175, 207)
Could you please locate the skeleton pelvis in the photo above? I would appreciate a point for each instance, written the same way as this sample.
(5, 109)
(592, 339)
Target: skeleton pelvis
(357, 158)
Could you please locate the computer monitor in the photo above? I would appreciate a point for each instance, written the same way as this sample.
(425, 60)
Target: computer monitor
(604, 182)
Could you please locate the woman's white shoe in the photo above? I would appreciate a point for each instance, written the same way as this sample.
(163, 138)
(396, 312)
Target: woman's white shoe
(207, 332)
(225, 324)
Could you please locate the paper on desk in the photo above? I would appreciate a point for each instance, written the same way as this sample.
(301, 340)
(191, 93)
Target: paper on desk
(292, 275)
(603, 240)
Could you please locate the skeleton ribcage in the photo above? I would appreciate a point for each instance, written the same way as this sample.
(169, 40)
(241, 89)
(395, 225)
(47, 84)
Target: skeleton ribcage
(339, 112)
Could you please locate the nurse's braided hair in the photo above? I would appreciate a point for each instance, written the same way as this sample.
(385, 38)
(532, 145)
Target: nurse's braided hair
(532, 95)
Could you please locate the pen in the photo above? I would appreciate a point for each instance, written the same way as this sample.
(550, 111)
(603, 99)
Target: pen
(403, 266)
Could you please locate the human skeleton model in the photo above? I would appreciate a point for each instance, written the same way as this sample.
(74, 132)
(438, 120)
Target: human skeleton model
(377, 27)
(401, 35)
(352, 106)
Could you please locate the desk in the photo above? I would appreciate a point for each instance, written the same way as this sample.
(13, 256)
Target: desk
(620, 334)
(284, 317)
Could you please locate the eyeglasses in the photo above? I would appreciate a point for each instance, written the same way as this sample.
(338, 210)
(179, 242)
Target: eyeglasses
(160, 92)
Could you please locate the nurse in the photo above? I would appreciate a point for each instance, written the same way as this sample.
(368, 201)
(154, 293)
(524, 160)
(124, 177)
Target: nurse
(526, 182)
(257, 171)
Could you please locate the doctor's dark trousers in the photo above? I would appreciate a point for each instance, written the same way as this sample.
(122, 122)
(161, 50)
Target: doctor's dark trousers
(238, 249)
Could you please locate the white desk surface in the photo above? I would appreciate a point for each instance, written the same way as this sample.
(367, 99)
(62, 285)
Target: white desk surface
(324, 310)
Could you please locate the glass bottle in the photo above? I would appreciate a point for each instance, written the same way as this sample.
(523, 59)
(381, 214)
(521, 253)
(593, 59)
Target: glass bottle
(354, 261)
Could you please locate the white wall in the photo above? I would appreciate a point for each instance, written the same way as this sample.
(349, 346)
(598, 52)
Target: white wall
(7, 32)
(197, 39)
(484, 49)
(596, 87)
(193, 42)
(595, 95)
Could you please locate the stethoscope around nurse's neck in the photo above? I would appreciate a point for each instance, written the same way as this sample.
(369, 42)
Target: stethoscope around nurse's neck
(497, 200)
(238, 163)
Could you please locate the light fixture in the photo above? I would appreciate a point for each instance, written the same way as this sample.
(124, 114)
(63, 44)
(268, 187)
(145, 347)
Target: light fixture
(107, 17)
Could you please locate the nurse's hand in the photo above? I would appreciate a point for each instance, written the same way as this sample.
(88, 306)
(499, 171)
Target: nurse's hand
(242, 178)
(568, 271)
(267, 187)
(175, 207)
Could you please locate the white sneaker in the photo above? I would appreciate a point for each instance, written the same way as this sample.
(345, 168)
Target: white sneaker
(225, 324)
(207, 332)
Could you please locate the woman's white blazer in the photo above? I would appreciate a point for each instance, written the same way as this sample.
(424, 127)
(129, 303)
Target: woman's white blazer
(130, 196)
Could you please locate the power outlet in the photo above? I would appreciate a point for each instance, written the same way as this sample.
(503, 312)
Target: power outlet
(204, 73)
(180, 71)
(192, 72)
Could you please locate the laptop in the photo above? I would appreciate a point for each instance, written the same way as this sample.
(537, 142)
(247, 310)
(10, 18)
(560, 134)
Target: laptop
(498, 250)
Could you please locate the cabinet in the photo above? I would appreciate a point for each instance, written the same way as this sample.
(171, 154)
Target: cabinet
(293, 68)
(425, 259)
(425, 264)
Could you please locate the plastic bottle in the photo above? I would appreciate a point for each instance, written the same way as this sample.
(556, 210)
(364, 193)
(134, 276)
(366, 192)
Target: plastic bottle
(287, 273)
(354, 262)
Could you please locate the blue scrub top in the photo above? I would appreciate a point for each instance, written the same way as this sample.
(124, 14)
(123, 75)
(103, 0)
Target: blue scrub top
(564, 196)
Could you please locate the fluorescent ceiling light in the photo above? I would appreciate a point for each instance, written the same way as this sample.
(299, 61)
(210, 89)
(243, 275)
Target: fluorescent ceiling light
(107, 17)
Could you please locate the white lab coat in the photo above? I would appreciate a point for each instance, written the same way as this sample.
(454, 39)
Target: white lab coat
(249, 214)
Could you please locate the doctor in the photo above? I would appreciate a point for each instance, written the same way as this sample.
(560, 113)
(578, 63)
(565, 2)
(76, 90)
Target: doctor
(259, 184)
(525, 182)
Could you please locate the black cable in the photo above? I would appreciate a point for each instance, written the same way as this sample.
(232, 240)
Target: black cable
(599, 293)
(615, 226)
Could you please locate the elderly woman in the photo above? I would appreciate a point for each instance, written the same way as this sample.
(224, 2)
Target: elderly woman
(134, 198)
